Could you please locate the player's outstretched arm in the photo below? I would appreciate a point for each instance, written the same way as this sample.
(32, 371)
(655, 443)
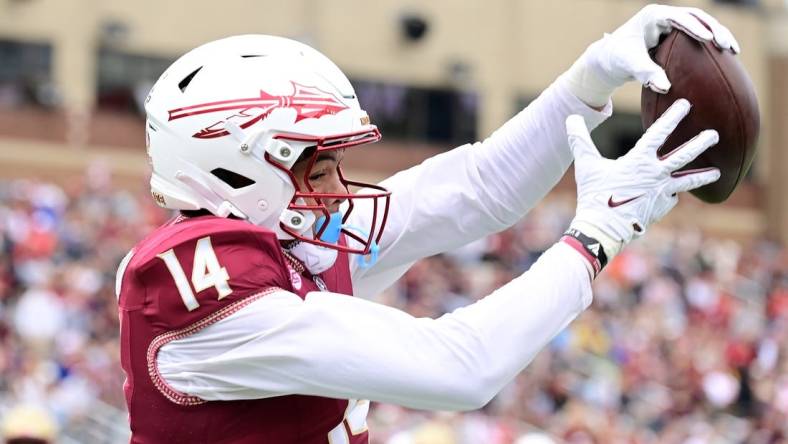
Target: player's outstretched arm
(474, 190)
(337, 346)
(479, 189)
(342, 347)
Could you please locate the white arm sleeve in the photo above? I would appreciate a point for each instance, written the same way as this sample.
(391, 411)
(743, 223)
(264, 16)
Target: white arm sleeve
(474, 190)
(344, 347)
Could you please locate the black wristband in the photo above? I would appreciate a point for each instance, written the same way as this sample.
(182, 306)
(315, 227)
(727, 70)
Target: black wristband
(589, 247)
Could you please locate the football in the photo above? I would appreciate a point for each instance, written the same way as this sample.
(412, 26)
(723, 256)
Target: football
(722, 97)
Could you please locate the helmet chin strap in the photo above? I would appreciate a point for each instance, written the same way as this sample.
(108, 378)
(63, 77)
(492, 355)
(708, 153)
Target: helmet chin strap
(315, 258)
(318, 259)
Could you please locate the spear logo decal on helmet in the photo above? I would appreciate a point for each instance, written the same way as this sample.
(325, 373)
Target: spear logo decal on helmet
(309, 102)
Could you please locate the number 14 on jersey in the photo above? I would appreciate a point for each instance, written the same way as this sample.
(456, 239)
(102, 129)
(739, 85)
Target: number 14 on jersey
(206, 273)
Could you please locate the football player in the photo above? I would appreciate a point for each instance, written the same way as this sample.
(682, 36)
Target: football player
(238, 321)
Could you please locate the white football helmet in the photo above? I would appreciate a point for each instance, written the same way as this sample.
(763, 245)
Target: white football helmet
(227, 121)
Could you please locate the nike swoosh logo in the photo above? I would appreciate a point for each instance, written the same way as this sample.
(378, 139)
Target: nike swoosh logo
(612, 204)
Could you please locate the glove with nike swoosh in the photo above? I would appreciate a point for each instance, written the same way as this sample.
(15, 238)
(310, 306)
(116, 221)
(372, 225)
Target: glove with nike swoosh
(618, 199)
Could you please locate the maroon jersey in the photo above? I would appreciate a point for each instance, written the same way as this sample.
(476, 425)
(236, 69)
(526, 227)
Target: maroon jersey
(186, 276)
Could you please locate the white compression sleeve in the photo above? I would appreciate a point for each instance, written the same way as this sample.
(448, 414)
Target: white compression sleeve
(343, 347)
(473, 190)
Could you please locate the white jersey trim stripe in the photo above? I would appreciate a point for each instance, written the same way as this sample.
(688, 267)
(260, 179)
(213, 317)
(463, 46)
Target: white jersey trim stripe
(121, 271)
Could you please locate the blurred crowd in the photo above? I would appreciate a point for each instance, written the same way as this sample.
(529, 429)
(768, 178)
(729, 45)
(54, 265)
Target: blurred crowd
(59, 249)
(686, 341)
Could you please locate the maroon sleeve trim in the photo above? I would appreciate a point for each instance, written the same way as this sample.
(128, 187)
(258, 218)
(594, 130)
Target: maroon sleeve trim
(165, 338)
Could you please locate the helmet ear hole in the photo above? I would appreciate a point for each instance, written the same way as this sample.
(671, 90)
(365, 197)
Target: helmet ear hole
(235, 180)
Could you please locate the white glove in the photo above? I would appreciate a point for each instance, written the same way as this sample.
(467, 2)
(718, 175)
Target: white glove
(623, 55)
(618, 199)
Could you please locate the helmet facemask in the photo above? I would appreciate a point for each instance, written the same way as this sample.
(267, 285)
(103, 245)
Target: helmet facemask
(358, 196)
